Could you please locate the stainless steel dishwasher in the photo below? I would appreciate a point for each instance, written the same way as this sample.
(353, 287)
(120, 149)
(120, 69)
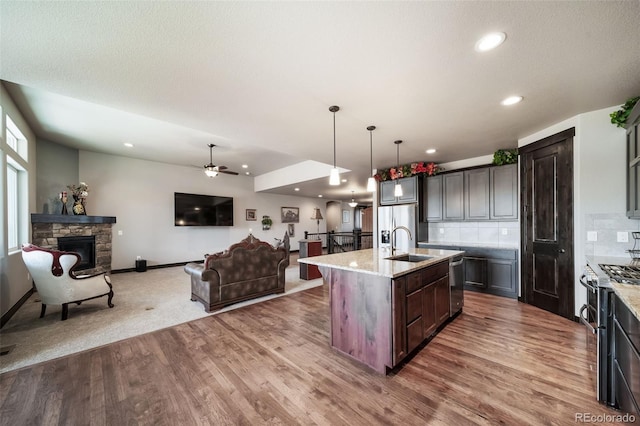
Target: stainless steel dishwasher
(456, 285)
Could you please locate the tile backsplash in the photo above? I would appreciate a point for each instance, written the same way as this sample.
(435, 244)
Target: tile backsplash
(606, 226)
(507, 233)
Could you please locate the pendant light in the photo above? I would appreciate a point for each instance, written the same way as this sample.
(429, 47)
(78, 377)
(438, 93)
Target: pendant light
(353, 202)
(397, 191)
(334, 177)
(371, 182)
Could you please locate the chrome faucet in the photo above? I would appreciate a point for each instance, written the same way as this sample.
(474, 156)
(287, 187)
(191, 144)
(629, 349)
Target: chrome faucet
(393, 236)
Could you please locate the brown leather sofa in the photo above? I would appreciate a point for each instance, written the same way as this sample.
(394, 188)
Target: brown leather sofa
(248, 269)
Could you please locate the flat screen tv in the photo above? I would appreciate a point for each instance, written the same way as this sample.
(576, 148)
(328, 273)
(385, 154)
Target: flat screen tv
(202, 210)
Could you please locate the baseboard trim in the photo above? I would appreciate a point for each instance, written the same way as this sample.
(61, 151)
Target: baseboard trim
(7, 316)
(167, 265)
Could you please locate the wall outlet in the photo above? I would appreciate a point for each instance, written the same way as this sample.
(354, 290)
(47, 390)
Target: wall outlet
(120, 233)
(623, 237)
(592, 236)
(441, 230)
(504, 231)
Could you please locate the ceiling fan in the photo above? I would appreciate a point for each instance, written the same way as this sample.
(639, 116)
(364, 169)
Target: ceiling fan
(211, 169)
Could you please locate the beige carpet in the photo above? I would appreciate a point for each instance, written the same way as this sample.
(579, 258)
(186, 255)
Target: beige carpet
(144, 302)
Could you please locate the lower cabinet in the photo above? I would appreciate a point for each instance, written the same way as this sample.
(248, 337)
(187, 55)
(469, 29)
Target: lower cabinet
(487, 270)
(626, 359)
(421, 303)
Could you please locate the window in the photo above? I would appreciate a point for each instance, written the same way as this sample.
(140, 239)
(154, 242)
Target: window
(12, 207)
(15, 139)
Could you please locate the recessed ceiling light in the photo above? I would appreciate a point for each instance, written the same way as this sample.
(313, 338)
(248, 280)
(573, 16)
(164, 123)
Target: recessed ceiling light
(247, 173)
(511, 100)
(430, 151)
(244, 166)
(128, 145)
(490, 41)
(344, 180)
(320, 196)
(296, 189)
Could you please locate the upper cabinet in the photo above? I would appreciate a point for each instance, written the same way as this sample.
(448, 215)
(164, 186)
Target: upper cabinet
(633, 163)
(409, 191)
(487, 193)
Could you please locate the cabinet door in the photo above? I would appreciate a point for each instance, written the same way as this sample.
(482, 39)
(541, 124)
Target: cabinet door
(475, 272)
(386, 192)
(415, 331)
(409, 190)
(504, 192)
(428, 312)
(501, 277)
(633, 171)
(476, 194)
(433, 198)
(442, 300)
(399, 315)
(453, 196)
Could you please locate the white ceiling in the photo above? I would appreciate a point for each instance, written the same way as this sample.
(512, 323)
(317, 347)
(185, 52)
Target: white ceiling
(257, 78)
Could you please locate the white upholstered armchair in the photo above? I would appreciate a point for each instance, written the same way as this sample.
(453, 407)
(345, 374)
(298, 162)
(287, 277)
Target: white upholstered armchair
(56, 283)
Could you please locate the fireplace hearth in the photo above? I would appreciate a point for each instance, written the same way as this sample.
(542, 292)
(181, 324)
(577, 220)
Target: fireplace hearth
(84, 246)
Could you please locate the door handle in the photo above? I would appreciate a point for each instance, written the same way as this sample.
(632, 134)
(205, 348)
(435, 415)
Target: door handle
(561, 250)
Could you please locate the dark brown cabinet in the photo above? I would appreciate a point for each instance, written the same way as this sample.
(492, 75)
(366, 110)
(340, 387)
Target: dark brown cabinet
(309, 248)
(453, 196)
(633, 163)
(425, 295)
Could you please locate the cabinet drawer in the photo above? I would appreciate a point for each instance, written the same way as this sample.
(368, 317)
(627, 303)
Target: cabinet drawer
(415, 335)
(414, 305)
(435, 272)
(413, 282)
(628, 360)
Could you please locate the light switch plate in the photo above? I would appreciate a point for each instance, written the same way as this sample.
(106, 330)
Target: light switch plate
(592, 236)
(623, 237)
(504, 231)
(441, 230)
(120, 232)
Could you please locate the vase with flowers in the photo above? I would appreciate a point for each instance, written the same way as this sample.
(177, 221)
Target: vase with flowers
(407, 170)
(79, 194)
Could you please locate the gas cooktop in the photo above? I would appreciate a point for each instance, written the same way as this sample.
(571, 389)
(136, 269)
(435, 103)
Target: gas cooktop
(628, 274)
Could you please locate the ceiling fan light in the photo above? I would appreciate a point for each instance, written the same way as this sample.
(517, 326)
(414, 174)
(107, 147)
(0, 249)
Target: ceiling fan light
(210, 171)
(371, 184)
(352, 203)
(334, 177)
(397, 190)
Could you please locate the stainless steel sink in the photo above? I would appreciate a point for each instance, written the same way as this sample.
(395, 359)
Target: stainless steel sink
(411, 257)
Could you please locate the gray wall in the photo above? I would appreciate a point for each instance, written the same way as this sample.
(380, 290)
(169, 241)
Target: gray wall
(57, 167)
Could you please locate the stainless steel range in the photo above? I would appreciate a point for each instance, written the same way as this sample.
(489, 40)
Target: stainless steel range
(597, 315)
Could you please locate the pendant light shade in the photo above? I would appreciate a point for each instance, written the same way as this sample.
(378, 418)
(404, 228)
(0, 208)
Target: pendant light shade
(371, 182)
(353, 202)
(397, 190)
(334, 177)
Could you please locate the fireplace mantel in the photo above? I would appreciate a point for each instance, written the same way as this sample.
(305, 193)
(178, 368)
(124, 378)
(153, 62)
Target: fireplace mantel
(65, 218)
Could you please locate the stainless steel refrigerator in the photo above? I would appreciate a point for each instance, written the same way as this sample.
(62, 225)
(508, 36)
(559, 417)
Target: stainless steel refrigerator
(390, 217)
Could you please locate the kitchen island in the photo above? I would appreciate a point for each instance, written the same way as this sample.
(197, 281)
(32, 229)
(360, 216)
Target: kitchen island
(383, 307)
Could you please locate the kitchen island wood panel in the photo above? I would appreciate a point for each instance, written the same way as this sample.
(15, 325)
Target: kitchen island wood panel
(361, 316)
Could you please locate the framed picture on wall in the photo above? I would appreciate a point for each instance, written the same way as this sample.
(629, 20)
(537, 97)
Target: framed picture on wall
(250, 214)
(290, 214)
(345, 216)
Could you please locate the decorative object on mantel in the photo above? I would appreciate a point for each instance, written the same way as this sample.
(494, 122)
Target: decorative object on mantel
(63, 200)
(317, 216)
(619, 118)
(505, 156)
(79, 193)
(266, 223)
(408, 170)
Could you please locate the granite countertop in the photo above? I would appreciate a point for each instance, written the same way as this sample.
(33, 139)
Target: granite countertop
(375, 262)
(510, 246)
(630, 296)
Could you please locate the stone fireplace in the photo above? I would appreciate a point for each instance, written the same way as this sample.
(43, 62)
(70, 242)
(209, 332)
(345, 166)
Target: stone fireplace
(50, 230)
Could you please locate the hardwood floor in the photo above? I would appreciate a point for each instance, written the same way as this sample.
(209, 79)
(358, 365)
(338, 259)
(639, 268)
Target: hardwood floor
(500, 362)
